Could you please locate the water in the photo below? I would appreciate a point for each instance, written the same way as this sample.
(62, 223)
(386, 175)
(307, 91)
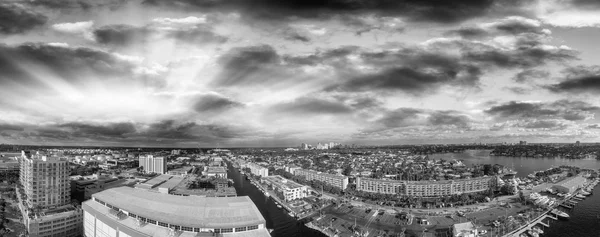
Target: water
(584, 221)
(282, 224)
(522, 165)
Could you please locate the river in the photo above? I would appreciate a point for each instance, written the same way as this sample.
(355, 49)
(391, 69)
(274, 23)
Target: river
(584, 221)
(282, 224)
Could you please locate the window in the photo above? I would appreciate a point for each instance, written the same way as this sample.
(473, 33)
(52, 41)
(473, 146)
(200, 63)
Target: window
(185, 228)
(132, 215)
(228, 230)
(163, 224)
(252, 227)
(151, 221)
(240, 229)
(175, 226)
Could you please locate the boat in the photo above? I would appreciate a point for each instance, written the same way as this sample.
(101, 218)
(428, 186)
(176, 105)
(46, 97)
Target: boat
(580, 196)
(538, 230)
(584, 193)
(532, 233)
(278, 206)
(560, 213)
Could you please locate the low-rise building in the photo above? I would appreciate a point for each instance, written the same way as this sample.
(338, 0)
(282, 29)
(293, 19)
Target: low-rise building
(340, 181)
(216, 171)
(287, 189)
(569, 185)
(134, 212)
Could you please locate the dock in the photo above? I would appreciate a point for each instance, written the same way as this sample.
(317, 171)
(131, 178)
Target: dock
(539, 220)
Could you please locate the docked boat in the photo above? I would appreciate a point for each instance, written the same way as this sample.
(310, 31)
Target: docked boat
(580, 196)
(560, 213)
(538, 230)
(278, 206)
(584, 193)
(532, 233)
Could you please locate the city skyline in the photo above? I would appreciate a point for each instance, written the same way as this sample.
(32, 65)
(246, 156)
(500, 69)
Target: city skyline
(265, 73)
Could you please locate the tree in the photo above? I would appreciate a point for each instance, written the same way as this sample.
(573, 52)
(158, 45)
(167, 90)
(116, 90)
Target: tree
(347, 171)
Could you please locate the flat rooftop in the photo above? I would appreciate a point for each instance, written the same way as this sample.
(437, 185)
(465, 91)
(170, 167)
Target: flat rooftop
(161, 181)
(282, 182)
(129, 226)
(190, 211)
(216, 169)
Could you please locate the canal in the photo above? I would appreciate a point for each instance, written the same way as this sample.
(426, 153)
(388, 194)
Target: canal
(277, 219)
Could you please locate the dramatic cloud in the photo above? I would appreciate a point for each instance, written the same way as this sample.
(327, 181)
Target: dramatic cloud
(83, 28)
(312, 106)
(530, 75)
(16, 19)
(183, 72)
(514, 25)
(579, 79)
(68, 62)
(563, 109)
(187, 30)
(214, 103)
(70, 5)
(428, 11)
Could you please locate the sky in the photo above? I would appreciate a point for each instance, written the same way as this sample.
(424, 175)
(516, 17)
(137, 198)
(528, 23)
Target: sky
(241, 73)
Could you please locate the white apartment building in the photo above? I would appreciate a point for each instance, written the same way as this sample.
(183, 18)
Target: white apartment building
(288, 189)
(257, 169)
(153, 164)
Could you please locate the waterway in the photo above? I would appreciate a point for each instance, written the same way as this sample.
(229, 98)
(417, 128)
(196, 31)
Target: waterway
(277, 219)
(523, 165)
(584, 221)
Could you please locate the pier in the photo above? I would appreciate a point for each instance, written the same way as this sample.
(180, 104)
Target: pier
(539, 220)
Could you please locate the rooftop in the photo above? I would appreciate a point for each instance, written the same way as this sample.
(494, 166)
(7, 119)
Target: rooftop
(216, 169)
(282, 182)
(129, 225)
(191, 211)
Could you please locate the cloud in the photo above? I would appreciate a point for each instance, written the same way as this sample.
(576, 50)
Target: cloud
(408, 80)
(16, 19)
(251, 66)
(422, 11)
(191, 30)
(104, 130)
(560, 109)
(214, 103)
(311, 106)
(82, 28)
(69, 5)
(578, 79)
(570, 13)
(512, 25)
(530, 75)
(71, 63)
(453, 118)
(121, 35)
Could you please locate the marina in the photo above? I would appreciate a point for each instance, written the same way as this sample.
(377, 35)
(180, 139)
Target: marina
(553, 212)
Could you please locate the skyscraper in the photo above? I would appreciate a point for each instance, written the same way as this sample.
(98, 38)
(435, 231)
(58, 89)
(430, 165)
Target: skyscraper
(153, 164)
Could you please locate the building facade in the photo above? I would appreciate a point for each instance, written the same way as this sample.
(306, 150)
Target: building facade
(426, 188)
(340, 181)
(153, 164)
(130, 212)
(257, 169)
(45, 200)
(287, 189)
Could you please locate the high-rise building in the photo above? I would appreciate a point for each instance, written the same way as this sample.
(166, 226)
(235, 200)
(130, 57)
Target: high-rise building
(45, 198)
(153, 164)
(45, 180)
(304, 146)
